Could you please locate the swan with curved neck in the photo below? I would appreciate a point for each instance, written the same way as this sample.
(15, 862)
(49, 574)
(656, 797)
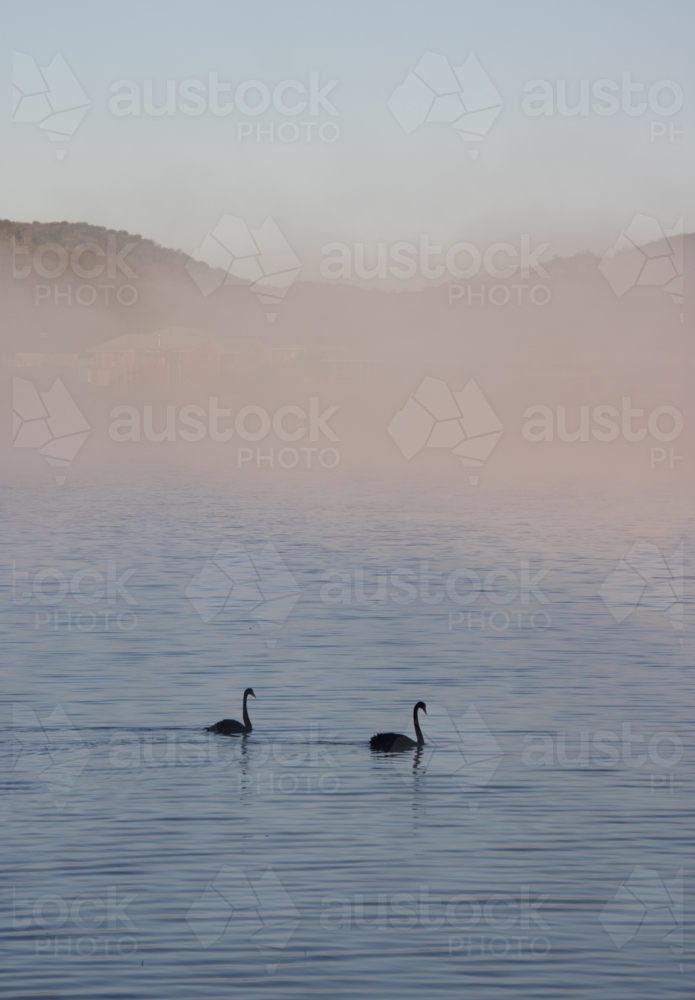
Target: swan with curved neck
(230, 727)
(394, 742)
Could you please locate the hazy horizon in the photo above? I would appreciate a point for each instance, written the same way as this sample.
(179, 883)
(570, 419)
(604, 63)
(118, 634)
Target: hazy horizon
(572, 180)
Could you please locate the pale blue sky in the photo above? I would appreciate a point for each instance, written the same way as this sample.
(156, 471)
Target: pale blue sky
(572, 181)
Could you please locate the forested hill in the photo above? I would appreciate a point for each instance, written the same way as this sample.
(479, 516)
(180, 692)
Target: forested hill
(71, 234)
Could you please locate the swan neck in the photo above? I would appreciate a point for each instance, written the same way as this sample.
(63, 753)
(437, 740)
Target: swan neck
(418, 731)
(247, 721)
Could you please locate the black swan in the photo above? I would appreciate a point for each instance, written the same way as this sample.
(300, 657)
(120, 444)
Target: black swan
(230, 727)
(397, 741)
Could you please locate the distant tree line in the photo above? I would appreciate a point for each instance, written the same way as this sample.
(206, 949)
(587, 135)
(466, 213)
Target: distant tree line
(71, 234)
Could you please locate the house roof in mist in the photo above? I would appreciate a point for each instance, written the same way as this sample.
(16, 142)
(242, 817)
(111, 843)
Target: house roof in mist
(181, 339)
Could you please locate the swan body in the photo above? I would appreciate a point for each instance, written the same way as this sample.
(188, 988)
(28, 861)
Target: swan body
(395, 742)
(230, 727)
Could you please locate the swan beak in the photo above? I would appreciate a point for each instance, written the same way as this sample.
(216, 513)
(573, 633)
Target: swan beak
(252, 694)
(424, 709)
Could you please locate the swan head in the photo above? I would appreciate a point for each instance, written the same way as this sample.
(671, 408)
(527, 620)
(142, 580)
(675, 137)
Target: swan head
(421, 705)
(249, 691)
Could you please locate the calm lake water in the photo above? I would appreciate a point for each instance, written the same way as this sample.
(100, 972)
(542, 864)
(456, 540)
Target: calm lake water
(540, 845)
